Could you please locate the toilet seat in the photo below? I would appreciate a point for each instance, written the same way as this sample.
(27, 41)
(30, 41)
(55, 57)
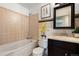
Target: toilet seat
(38, 51)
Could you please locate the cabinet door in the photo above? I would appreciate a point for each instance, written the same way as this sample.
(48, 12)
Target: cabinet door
(54, 48)
(61, 48)
(55, 51)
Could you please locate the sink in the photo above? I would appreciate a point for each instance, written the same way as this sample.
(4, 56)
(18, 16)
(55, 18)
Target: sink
(63, 34)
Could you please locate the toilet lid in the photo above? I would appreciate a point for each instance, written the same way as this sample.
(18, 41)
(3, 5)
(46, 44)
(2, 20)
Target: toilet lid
(38, 50)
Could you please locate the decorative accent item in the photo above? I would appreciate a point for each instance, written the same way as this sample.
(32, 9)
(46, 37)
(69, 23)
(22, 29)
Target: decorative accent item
(43, 28)
(46, 11)
(76, 32)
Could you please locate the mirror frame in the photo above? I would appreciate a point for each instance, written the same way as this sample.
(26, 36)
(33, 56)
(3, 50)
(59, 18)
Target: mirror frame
(72, 16)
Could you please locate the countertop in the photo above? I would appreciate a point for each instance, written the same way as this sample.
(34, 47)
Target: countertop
(64, 38)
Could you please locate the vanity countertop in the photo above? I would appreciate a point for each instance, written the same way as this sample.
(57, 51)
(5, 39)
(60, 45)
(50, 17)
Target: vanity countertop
(64, 38)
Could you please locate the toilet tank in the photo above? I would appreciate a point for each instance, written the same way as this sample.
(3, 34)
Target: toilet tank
(43, 43)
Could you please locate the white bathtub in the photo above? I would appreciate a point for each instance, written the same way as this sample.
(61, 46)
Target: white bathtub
(19, 48)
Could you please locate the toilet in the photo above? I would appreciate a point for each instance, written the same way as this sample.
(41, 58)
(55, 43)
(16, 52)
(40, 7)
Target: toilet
(40, 50)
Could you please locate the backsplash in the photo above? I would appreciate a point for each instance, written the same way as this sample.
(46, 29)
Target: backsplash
(63, 32)
(67, 32)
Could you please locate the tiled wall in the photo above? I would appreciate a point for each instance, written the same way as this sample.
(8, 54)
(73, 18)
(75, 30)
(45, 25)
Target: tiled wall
(33, 26)
(77, 22)
(13, 26)
(66, 31)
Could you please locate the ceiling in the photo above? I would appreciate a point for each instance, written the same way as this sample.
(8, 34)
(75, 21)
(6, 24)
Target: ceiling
(31, 5)
(35, 6)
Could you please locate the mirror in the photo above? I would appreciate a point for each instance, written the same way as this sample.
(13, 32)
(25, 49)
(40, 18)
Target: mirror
(64, 16)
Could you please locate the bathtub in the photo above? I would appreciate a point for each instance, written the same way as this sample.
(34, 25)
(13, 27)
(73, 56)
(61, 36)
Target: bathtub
(19, 48)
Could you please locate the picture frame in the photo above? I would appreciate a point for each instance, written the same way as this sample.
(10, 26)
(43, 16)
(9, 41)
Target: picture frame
(46, 11)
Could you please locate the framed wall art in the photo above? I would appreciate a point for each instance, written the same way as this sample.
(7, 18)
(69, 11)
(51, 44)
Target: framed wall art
(46, 11)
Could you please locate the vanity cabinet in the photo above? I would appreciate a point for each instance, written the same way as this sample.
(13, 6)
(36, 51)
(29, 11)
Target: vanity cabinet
(62, 48)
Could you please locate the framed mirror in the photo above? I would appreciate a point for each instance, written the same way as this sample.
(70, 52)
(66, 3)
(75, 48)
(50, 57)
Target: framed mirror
(64, 16)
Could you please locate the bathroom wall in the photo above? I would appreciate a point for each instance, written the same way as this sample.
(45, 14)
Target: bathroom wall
(14, 26)
(58, 31)
(33, 26)
(77, 22)
(34, 21)
(38, 10)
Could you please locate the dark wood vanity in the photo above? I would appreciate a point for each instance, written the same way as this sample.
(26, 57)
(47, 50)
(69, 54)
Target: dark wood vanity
(63, 45)
(62, 48)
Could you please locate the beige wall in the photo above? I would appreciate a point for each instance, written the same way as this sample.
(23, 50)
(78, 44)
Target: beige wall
(13, 26)
(77, 22)
(33, 26)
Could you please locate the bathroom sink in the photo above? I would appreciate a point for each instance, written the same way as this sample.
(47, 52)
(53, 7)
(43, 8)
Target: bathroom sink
(63, 34)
